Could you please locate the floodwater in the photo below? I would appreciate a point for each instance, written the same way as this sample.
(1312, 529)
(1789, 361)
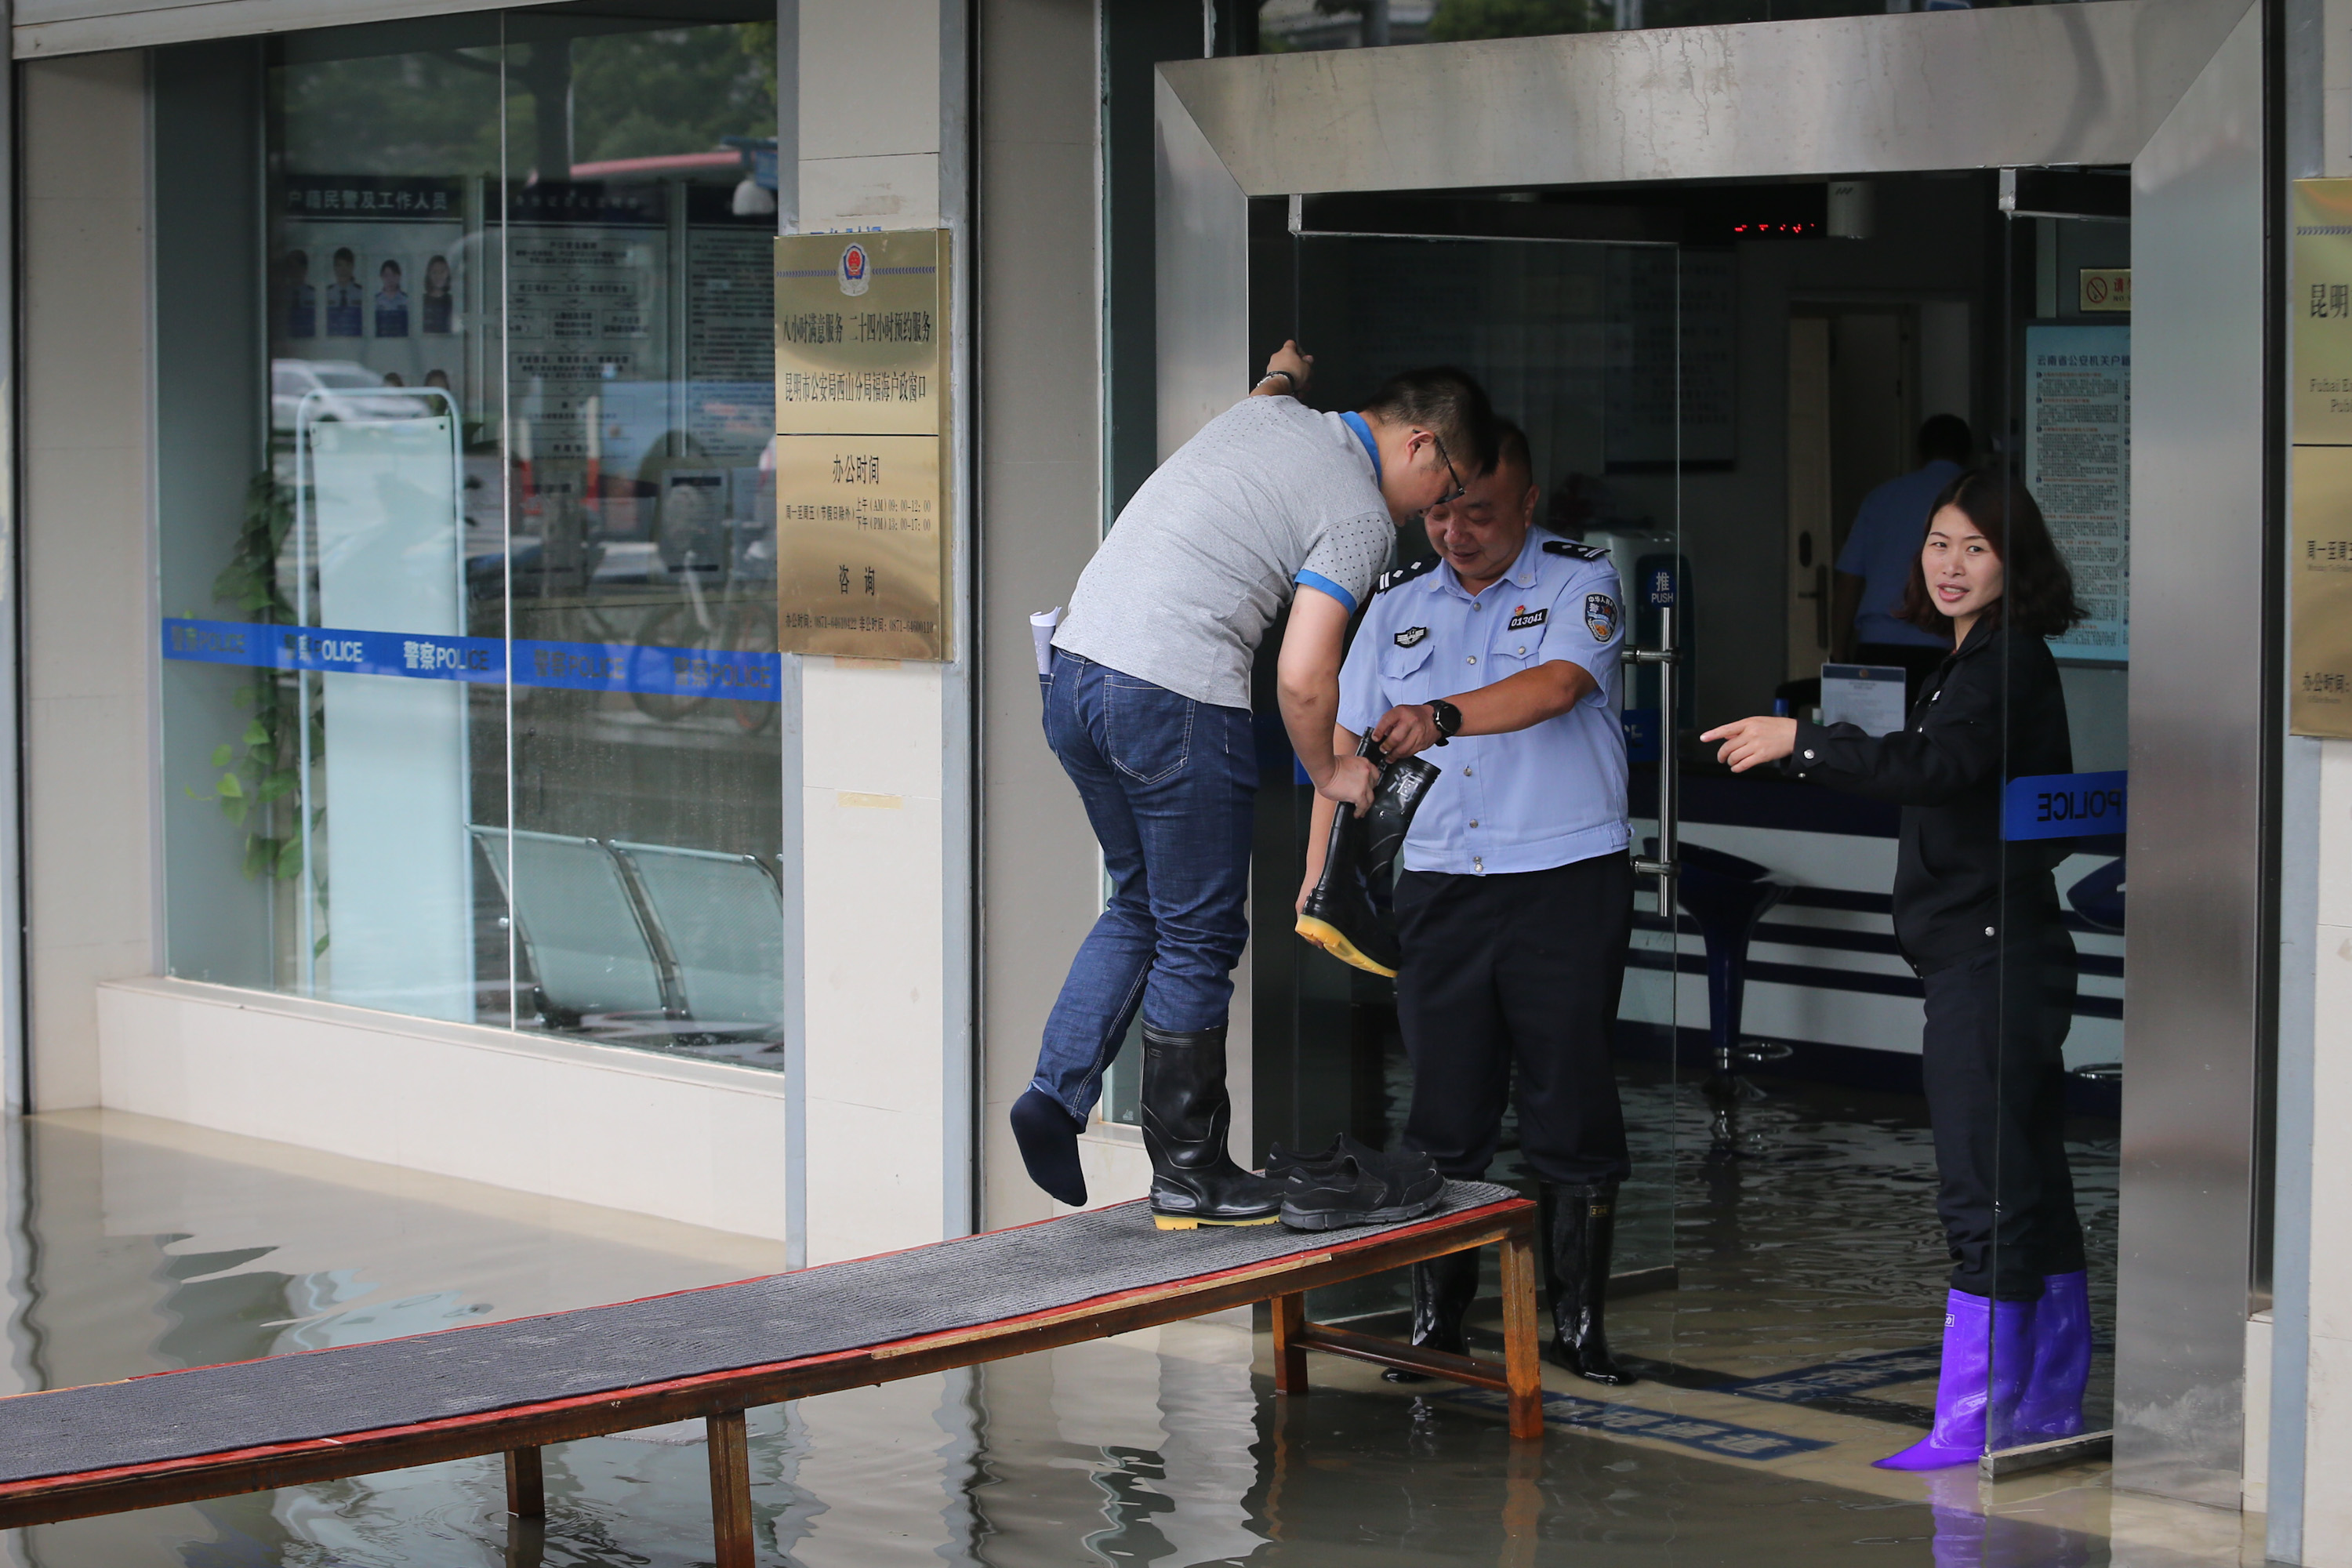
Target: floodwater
(137, 1245)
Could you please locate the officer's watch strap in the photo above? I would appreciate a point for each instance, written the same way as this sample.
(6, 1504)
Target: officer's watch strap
(1448, 717)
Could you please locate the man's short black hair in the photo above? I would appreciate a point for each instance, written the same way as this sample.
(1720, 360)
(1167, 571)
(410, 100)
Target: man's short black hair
(1448, 403)
(1511, 448)
(1946, 436)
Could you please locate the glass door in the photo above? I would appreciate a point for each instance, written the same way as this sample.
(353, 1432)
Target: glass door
(1900, 962)
(1576, 343)
(1831, 1128)
(2057, 1075)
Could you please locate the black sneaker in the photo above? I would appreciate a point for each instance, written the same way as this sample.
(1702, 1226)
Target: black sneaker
(1354, 1186)
(1282, 1164)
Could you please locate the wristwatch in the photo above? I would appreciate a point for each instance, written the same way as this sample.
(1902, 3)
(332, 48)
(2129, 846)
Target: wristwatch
(1449, 719)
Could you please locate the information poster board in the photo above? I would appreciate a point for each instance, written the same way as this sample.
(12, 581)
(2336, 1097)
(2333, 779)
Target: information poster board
(1673, 373)
(369, 288)
(2078, 466)
(862, 541)
(730, 349)
(587, 326)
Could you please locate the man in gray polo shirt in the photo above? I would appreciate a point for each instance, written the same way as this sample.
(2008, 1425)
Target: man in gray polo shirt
(1272, 504)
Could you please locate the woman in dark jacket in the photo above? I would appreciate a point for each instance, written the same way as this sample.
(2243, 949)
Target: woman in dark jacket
(1978, 920)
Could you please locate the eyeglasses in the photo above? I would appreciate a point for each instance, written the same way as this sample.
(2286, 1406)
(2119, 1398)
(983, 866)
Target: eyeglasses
(1459, 489)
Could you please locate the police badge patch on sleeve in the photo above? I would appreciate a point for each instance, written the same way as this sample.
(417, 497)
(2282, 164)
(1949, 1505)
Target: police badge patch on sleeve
(1411, 636)
(1601, 616)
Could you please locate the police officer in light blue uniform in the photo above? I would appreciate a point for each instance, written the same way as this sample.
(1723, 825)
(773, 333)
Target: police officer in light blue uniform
(1516, 901)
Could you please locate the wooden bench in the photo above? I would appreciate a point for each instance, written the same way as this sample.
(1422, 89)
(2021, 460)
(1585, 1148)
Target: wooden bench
(521, 1430)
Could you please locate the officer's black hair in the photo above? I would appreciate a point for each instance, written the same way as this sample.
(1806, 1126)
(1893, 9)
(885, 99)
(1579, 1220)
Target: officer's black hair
(1947, 437)
(2037, 592)
(1449, 402)
(1511, 447)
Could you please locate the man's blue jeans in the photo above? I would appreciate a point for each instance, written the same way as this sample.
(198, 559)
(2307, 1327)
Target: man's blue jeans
(1169, 785)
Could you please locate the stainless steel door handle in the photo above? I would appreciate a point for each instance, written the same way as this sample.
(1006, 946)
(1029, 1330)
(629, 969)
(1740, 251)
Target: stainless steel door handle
(1667, 866)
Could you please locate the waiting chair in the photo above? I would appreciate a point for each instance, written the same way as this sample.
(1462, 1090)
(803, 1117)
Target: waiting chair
(722, 919)
(589, 940)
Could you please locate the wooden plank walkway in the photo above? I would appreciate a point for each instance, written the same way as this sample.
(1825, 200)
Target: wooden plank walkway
(521, 1430)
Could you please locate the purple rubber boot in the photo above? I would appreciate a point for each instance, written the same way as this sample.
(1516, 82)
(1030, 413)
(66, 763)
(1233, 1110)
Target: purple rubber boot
(1976, 1332)
(2051, 1404)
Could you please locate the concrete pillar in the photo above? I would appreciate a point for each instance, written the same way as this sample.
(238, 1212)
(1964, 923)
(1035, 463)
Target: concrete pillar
(89, 812)
(884, 746)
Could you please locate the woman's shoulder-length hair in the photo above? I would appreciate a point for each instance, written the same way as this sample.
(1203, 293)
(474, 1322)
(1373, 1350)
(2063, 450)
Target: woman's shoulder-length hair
(2037, 591)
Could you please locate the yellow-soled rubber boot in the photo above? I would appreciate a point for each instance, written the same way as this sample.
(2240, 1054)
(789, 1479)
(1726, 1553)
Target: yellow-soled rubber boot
(1334, 941)
(1346, 913)
(1186, 1117)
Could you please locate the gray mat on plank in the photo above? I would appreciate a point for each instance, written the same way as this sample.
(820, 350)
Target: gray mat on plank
(816, 1312)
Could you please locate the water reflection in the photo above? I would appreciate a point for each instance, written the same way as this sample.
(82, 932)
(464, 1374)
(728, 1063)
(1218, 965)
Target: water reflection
(138, 1246)
(1970, 1535)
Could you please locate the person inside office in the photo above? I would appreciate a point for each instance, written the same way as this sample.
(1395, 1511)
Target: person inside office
(1979, 921)
(1515, 905)
(1874, 567)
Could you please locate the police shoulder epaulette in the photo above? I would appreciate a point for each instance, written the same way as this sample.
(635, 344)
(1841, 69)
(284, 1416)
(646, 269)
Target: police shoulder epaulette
(1569, 547)
(1406, 574)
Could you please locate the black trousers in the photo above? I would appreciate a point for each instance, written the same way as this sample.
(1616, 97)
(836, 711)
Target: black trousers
(1997, 1097)
(1517, 970)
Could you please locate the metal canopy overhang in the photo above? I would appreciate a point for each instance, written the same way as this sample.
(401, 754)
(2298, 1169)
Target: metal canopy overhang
(1947, 89)
(44, 29)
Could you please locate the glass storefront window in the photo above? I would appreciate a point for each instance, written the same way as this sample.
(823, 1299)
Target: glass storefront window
(468, 587)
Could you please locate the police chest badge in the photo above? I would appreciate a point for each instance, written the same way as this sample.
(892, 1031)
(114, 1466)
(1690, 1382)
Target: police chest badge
(1601, 616)
(1523, 617)
(1411, 636)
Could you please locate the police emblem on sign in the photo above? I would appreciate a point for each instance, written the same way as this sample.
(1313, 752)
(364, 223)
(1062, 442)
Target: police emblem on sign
(1601, 616)
(1411, 636)
(854, 267)
(1523, 617)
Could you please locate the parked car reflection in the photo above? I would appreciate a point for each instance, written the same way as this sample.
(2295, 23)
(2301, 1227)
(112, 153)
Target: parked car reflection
(347, 391)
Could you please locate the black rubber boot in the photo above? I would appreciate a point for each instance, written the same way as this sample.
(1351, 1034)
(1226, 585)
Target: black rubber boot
(1340, 916)
(1403, 786)
(1580, 1223)
(1186, 1116)
(1348, 913)
(1443, 1290)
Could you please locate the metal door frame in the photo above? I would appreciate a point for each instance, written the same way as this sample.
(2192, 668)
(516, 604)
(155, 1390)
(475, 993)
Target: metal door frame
(2173, 88)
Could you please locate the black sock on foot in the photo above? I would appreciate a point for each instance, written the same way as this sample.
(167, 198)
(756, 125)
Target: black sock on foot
(1049, 1147)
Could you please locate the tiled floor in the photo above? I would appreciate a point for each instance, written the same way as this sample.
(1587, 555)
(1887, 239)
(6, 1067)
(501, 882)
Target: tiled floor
(137, 1245)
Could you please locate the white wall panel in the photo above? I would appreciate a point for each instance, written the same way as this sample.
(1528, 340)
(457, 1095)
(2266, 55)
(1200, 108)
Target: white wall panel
(876, 1112)
(680, 1140)
(89, 782)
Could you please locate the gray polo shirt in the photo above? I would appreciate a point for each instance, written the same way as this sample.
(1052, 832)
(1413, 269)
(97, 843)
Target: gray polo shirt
(1269, 494)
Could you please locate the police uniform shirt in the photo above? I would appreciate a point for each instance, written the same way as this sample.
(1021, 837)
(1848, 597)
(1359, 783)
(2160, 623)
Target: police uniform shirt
(1547, 795)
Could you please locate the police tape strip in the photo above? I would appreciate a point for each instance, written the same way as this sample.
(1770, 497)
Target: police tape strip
(751, 676)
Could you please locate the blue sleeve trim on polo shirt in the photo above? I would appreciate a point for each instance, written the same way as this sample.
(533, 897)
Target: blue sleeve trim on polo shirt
(1364, 433)
(1320, 584)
